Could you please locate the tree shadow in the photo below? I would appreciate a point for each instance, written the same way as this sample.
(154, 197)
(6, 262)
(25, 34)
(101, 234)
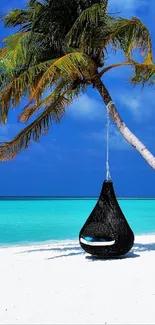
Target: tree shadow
(79, 251)
(53, 249)
(134, 253)
(138, 247)
(65, 251)
(65, 255)
(92, 258)
(69, 250)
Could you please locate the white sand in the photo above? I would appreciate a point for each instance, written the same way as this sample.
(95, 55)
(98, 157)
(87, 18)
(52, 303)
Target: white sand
(58, 284)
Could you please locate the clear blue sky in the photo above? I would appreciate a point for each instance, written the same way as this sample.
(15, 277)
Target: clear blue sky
(70, 160)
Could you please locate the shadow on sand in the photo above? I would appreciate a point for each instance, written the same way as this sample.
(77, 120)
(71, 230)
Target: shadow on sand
(128, 255)
(65, 248)
(138, 248)
(65, 255)
(69, 250)
(65, 251)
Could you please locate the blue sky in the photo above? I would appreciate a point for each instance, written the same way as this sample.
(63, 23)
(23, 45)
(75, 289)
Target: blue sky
(70, 160)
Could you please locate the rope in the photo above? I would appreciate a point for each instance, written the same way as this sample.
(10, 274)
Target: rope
(108, 176)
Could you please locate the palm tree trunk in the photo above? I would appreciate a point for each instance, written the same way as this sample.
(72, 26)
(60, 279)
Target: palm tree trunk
(127, 134)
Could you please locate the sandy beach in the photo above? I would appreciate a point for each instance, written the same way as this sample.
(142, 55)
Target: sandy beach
(59, 284)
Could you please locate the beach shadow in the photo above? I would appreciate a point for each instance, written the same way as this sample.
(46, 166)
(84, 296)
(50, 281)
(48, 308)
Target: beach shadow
(138, 248)
(65, 255)
(69, 250)
(54, 249)
(65, 251)
(91, 258)
(128, 255)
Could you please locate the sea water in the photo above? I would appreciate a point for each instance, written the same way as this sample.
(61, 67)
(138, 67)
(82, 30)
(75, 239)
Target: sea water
(38, 220)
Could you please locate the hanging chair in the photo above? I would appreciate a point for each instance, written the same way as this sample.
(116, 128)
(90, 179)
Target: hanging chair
(106, 233)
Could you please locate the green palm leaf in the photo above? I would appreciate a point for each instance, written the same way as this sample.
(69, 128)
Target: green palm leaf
(17, 17)
(15, 50)
(128, 35)
(69, 88)
(53, 112)
(72, 66)
(23, 18)
(15, 88)
(90, 16)
(143, 73)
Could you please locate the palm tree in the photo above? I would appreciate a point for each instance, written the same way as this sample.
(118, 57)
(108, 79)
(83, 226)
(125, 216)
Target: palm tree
(60, 47)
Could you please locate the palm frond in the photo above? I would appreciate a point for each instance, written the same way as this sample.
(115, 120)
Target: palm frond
(16, 17)
(89, 16)
(16, 87)
(29, 110)
(53, 112)
(70, 88)
(143, 73)
(72, 66)
(14, 53)
(23, 18)
(128, 35)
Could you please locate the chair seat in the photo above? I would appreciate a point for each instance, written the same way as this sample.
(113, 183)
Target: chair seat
(97, 241)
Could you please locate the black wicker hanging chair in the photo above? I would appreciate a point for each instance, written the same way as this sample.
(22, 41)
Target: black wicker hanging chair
(106, 233)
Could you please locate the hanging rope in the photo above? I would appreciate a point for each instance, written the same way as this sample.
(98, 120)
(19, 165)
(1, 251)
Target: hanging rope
(108, 176)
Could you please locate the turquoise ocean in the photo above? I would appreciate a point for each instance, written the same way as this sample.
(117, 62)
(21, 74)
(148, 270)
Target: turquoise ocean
(37, 220)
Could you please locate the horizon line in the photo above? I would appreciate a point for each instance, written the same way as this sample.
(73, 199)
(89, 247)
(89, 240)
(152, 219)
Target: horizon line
(70, 197)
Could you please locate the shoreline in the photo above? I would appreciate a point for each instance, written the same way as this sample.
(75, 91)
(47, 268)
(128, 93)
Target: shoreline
(57, 283)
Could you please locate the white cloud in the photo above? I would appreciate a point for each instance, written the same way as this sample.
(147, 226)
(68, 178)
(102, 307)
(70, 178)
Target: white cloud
(86, 107)
(116, 140)
(133, 104)
(141, 106)
(126, 5)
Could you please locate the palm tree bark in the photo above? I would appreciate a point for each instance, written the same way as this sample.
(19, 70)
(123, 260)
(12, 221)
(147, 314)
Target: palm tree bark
(127, 134)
